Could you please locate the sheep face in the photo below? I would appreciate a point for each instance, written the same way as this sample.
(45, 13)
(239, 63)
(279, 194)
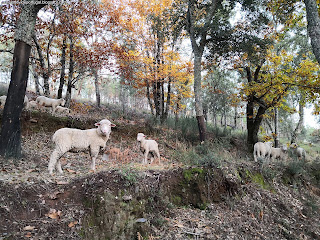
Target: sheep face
(140, 137)
(105, 126)
(63, 102)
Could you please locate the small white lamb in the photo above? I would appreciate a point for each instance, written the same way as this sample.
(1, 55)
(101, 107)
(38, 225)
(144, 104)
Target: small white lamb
(60, 109)
(278, 153)
(147, 146)
(67, 139)
(262, 150)
(298, 151)
(50, 102)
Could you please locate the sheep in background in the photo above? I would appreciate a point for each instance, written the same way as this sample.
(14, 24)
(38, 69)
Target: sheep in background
(60, 109)
(50, 102)
(298, 151)
(262, 150)
(147, 146)
(33, 105)
(3, 100)
(279, 153)
(67, 139)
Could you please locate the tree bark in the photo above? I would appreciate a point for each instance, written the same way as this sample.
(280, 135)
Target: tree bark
(70, 76)
(299, 126)
(96, 84)
(63, 66)
(44, 71)
(36, 78)
(313, 26)
(276, 127)
(10, 136)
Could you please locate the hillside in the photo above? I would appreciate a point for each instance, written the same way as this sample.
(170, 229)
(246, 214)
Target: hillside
(211, 191)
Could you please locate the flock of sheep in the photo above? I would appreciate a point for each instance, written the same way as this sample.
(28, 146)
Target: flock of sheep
(266, 151)
(56, 105)
(67, 139)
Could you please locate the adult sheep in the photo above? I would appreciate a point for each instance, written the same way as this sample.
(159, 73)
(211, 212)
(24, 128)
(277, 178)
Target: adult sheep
(299, 152)
(67, 139)
(147, 146)
(50, 102)
(278, 153)
(263, 150)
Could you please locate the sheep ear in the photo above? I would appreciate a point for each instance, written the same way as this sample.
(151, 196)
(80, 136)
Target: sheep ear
(97, 124)
(113, 125)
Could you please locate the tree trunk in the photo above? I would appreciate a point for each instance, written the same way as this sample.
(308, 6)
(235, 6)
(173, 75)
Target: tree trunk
(198, 48)
(96, 84)
(63, 66)
(123, 96)
(70, 76)
(44, 71)
(276, 127)
(313, 26)
(149, 97)
(299, 126)
(198, 97)
(10, 136)
(36, 78)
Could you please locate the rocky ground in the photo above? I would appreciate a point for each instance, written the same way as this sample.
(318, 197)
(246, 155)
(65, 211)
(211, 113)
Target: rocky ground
(128, 200)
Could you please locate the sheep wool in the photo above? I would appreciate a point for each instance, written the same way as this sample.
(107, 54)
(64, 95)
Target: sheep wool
(147, 146)
(67, 139)
(262, 150)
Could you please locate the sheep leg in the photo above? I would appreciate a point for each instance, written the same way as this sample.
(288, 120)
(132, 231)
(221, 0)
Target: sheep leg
(58, 166)
(145, 157)
(55, 156)
(93, 153)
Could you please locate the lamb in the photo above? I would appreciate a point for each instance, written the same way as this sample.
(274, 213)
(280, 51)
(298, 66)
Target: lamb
(262, 150)
(298, 151)
(67, 139)
(50, 102)
(278, 153)
(147, 146)
(60, 109)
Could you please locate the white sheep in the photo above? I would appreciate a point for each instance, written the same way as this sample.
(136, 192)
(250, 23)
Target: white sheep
(147, 146)
(298, 151)
(60, 109)
(278, 153)
(33, 105)
(3, 100)
(262, 150)
(67, 139)
(50, 102)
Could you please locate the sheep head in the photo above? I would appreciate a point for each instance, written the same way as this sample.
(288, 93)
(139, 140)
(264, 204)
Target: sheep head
(140, 137)
(105, 126)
